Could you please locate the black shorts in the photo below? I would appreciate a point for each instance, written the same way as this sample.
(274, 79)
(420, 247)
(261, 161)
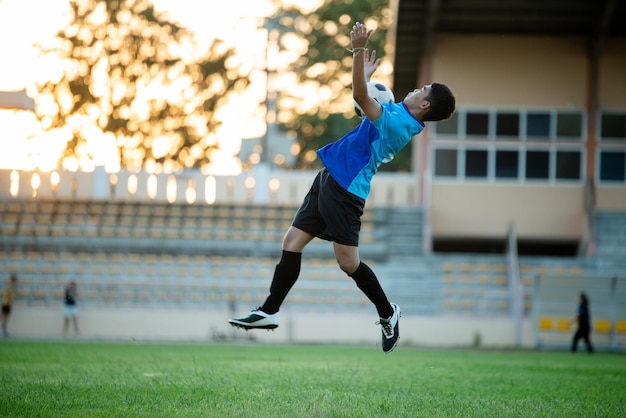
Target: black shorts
(6, 309)
(330, 212)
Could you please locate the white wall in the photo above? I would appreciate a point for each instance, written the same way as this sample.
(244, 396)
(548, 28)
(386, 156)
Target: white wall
(199, 325)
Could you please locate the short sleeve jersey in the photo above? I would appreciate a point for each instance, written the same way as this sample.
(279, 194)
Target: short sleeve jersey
(70, 299)
(355, 158)
(7, 300)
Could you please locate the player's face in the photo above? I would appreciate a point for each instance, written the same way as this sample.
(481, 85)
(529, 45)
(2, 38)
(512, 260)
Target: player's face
(417, 96)
(417, 100)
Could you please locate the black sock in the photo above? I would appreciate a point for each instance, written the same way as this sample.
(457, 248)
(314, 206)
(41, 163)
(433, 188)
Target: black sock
(285, 276)
(368, 283)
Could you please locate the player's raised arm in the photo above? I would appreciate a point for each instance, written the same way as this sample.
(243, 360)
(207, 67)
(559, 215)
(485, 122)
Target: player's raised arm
(359, 36)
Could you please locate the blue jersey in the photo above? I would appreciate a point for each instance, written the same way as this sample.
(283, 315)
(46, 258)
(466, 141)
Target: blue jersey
(354, 159)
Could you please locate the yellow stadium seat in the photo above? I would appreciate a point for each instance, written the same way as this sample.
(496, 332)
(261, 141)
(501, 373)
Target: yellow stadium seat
(620, 326)
(466, 267)
(576, 271)
(546, 323)
(469, 303)
(448, 278)
(482, 267)
(466, 278)
(602, 325)
(564, 324)
(448, 266)
(483, 279)
(502, 280)
(128, 295)
(498, 268)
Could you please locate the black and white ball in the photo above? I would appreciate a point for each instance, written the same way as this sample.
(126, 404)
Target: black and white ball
(378, 92)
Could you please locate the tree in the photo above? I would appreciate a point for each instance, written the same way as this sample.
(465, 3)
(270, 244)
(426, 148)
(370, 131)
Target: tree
(325, 68)
(139, 80)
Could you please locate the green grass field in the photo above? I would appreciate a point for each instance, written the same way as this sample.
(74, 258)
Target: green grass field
(81, 379)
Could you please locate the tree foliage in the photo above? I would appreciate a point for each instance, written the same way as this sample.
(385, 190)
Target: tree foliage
(139, 79)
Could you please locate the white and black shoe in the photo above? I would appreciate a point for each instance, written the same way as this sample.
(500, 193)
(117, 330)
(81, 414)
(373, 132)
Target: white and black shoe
(390, 329)
(256, 319)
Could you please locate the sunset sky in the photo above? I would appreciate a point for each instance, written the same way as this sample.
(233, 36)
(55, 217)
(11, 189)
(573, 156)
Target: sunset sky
(24, 23)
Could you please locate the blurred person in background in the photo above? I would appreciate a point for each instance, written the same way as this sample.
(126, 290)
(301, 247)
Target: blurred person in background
(70, 312)
(7, 301)
(583, 320)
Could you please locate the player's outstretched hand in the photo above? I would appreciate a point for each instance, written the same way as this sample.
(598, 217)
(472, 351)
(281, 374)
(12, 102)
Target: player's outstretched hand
(371, 63)
(359, 35)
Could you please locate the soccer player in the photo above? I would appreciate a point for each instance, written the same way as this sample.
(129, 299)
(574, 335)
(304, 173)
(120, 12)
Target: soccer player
(333, 207)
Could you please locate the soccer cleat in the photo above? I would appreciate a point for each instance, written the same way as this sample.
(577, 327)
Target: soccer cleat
(390, 329)
(257, 319)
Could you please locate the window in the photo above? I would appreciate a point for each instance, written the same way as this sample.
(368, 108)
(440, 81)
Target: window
(507, 125)
(448, 126)
(538, 125)
(613, 126)
(549, 125)
(477, 123)
(537, 145)
(613, 165)
(569, 125)
(537, 165)
(507, 164)
(476, 164)
(445, 162)
(568, 165)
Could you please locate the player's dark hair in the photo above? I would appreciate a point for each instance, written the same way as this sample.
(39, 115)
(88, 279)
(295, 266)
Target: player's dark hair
(442, 103)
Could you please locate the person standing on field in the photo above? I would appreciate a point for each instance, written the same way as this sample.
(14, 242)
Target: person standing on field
(7, 302)
(583, 320)
(333, 207)
(70, 313)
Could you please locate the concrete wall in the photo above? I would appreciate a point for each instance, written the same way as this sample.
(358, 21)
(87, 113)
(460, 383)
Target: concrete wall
(612, 88)
(528, 71)
(611, 198)
(514, 71)
(125, 324)
(486, 210)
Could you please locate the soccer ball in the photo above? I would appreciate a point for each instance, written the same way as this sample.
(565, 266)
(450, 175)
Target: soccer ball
(378, 92)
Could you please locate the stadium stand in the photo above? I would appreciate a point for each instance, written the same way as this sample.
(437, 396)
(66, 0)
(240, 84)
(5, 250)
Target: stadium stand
(611, 232)
(148, 253)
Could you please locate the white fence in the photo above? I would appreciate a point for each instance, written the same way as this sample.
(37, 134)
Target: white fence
(193, 187)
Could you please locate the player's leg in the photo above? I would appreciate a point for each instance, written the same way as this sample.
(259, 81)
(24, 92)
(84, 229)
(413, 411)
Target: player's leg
(577, 337)
(348, 259)
(66, 319)
(305, 226)
(285, 276)
(75, 319)
(587, 341)
(6, 310)
(287, 270)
